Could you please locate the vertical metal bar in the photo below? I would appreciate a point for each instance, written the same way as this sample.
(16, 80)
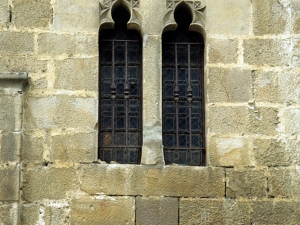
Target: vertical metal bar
(176, 97)
(113, 97)
(126, 95)
(190, 94)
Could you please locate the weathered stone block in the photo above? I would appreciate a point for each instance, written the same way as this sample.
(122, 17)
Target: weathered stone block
(229, 85)
(80, 147)
(272, 152)
(230, 152)
(292, 118)
(284, 182)
(143, 180)
(272, 52)
(33, 145)
(30, 214)
(222, 50)
(48, 183)
(217, 212)
(269, 17)
(103, 210)
(158, 210)
(9, 213)
(76, 15)
(55, 215)
(16, 43)
(275, 212)
(295, 6)
(77, 74)
(10, 147)
(60, 112)
(248, 183)
(228, 120)
(4, 12)
(55, 44)
(228, 17)
(9, 185)
(33, 14)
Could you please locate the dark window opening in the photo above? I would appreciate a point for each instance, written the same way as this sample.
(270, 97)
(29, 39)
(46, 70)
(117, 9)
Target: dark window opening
(120, 85)
(183, 95)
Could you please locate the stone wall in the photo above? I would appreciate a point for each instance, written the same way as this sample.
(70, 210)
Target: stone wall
(49, 169)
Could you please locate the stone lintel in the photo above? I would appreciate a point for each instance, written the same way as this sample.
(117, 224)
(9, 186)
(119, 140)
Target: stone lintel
(15, 81)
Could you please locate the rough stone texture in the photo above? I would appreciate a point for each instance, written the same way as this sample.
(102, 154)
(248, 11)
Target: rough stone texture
(161, 210)
(272, 52)
(228, 17)
(81, 147)
(225, 151)
(229, 85)
(33, 146)
(210, 211)
(8, 112)
(60, 112)
(9, 186)
(55, 215)
(77, 74)
(16, 43)
(48, 183)
(76, 15)
(106, 210)
(248, 183)
(4, 12)
(10, 147)
(295, 5)
(275, 212)
(223, 50)
(284, 182)
(292, 117)
(269, 17)
(33, 14)
(8, 213)
(164, 181)
(54, 44)
(30, 214)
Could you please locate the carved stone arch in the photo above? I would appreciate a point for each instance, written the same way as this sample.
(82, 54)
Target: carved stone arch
(107, 6)
(196, 9)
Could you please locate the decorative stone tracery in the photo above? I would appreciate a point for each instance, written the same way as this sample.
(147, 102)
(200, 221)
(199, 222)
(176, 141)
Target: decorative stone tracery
(196, 8)
(106, 7)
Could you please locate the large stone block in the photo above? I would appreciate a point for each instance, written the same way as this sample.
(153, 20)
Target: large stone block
(224, 151)
(269, 212)
(9, 213)
(60, 112)
(4, 12)
(248, 183)
(103, 210)
(216, 212)
(77, 15)
(77, 74)
(143, 180)
(228, 120)
(222, 50)
(55, 215)
(292, 118)
(158, 210)
(33, 145)
(33, 14)
(30, 214)
(295, 6)
(284, 182)
(269, 17)
(79, 147)
(48, 183)
(55, 44)
(228, 17)
(10, 147)
(16, 43)
(272, 52)
(229, 85)
(9, 185)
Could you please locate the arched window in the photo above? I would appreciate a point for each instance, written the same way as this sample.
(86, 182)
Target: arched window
(183, 95)
(120, 85)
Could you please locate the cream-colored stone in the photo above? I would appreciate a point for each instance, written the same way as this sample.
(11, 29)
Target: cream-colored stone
(33, 14)
(55, 215)
(229, 85)
(164, 181)
(30, 214)
(9, 213)
(16, 43)
(9, 185)
(228, 17)
(10, 147)
(9, 112)
(33, 145)
(4, 12)
(103, 210)
(292, 118)
(222, 50)
(270, 17)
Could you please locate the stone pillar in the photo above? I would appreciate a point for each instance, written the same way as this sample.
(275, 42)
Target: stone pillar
(11, 87)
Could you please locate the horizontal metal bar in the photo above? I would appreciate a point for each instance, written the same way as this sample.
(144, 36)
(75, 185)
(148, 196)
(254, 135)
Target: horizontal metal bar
(103, 147)
(174, 149)
(183, 43)
(113, 40)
